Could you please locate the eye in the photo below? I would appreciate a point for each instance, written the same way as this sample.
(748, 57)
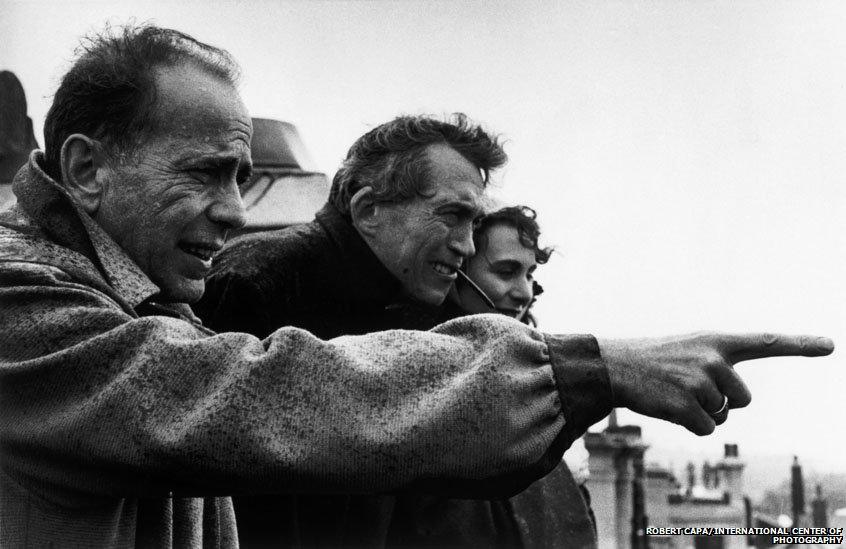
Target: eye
(450, 218)
(202, 175)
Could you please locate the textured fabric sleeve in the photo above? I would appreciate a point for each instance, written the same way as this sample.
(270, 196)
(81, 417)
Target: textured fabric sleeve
(95, 401)
(582, 379)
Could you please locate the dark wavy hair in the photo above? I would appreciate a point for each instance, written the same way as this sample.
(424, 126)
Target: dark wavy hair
(522, 218)
(392, 159)
(109, 94)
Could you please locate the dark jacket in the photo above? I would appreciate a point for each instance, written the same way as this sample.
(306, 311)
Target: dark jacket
(323, 277)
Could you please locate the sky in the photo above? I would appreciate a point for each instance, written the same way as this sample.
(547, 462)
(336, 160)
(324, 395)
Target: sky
(686, 159)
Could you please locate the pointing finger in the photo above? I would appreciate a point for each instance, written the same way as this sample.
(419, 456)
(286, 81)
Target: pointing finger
(741, 347)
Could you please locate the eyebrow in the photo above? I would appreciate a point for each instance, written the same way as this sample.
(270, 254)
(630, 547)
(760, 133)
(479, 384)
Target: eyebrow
(511, 264)
(245, 169)
(466, 207)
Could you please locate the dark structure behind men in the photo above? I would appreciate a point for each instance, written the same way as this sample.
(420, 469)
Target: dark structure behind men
(286, 188)
(16, 135)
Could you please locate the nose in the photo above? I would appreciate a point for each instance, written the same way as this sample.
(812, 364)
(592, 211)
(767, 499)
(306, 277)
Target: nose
(461, 241)
(521, 291)
(227, 209)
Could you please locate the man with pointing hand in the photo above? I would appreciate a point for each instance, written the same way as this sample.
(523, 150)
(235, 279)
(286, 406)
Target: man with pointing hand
(125, 422)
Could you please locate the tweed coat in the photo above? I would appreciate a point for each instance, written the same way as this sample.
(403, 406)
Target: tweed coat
(126, 423)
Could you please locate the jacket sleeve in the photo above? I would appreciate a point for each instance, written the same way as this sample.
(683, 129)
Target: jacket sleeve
(97, 401)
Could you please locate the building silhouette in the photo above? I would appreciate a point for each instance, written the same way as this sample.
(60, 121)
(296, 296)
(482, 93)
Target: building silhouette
(628, 496)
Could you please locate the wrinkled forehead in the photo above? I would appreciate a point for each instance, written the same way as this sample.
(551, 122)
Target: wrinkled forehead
(457, 192)
(193, 104)
(454, 179)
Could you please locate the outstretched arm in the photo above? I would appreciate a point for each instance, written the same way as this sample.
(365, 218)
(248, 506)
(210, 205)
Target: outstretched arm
(101, 402)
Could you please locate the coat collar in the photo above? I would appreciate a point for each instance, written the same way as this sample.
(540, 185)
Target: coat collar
(365, 277)
(49, 205)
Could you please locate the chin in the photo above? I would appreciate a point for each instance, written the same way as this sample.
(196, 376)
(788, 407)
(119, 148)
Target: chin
(185, 291)
(430, 296)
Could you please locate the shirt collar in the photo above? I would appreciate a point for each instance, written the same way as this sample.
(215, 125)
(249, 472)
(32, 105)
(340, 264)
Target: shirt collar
(364, 274)
(50, 205)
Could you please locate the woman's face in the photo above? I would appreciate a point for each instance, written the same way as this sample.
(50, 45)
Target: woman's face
(503, 268)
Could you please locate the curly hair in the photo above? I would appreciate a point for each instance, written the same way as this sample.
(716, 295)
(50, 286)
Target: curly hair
(109, 93)
(391, 158)
(522, 218)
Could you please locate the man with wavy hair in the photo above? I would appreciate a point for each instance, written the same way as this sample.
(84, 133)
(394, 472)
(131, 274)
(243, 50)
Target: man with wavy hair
(383, 253)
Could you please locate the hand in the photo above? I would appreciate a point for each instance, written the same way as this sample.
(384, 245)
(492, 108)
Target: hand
(683, 378)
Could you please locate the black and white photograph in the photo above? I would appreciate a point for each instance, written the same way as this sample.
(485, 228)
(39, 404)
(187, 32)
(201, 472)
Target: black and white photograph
(391, 274)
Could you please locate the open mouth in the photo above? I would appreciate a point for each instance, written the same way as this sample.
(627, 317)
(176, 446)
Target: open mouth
(444, 269)
(204, 253)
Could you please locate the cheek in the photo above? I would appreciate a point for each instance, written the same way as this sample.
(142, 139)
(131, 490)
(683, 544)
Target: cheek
(495, 288)
(430, 244)
(131, 203)
(489, 282)
(483, 280)
(175, 209)
(416, 244)
(156, 230)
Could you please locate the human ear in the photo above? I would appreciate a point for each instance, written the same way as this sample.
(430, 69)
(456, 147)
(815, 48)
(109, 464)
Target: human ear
(82, 160)
(364, 212)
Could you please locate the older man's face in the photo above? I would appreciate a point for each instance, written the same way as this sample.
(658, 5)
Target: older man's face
(170, 205)
(422, 241)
